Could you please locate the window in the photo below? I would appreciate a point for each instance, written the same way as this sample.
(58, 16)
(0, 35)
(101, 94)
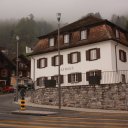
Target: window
(57, 78)
(93, 77)
(21, 65)
(4, 73)
(42, 63)
(55, 60)
(117, 34)
(66, 38)
(123, 78)
(51, 42)
(40, 81)
(93, 54)
(74, 57)
(122, 56)
(83, 34)
(20, 73)
(74, 77)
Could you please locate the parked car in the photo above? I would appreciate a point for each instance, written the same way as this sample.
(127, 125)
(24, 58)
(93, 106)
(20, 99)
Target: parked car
(8, 89)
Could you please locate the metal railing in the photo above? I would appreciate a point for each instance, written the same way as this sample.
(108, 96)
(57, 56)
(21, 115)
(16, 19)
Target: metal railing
(107, 77)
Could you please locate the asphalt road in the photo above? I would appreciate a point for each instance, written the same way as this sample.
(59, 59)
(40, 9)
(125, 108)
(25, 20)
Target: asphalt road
(64, 119)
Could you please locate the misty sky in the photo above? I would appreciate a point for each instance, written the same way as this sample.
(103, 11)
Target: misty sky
(71, 9)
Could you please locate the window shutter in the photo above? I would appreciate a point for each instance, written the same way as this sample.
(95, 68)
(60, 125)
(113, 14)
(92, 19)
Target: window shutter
(61, 79)
(69, 58)
(87, 76)
(98, 53)
(120, 54)
(61, 59)
(99, 73)
(125, 57)
(78, 57)
(53, 61)
(45, 62)
(38, 63)
(79, 77)
(87, 55)
(69, 78)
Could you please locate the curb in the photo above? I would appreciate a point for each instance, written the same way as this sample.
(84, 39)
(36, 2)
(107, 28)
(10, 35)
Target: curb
(34, 113)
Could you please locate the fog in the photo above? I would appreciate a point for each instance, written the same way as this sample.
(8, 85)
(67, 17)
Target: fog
(71, 9)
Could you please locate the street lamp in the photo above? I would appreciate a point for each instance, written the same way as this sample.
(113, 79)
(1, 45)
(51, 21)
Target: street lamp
(17, 52)
(59, 86)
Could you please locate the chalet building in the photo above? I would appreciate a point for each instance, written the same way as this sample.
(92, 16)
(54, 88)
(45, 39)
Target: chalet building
(7, 67)
(92, 51)
(23, 67)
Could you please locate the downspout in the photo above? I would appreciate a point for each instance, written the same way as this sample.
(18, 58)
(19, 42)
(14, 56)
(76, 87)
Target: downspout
(116, 57)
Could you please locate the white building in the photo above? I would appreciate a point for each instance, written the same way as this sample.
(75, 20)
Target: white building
(92, 51)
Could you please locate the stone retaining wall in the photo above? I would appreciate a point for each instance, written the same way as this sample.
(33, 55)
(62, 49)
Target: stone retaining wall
(113, 96)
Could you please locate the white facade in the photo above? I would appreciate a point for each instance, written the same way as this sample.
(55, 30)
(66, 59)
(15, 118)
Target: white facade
(107, 62)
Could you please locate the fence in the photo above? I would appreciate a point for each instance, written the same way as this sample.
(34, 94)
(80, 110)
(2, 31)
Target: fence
(106, 77)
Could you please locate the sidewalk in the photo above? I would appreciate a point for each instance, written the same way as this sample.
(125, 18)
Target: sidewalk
(28, 103)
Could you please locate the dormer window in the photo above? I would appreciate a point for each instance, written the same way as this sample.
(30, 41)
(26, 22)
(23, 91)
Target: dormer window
(51, 42)
(117, 34)
(83, 34)
(66, 38)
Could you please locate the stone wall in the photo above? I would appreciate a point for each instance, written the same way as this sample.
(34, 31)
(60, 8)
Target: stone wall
(112, 97)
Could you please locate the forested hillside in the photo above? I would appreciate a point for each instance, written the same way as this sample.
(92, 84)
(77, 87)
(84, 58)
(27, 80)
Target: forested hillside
(27, 28)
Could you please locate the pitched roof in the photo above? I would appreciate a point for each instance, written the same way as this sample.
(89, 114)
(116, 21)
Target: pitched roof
(86, 21)
(99, 30)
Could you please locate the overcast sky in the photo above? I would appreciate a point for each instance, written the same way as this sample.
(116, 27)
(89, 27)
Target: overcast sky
(71, 9)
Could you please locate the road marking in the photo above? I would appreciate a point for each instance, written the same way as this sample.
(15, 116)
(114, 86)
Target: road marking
(51, 122)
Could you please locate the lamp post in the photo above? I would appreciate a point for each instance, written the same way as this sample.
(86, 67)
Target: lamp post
(17, 52)
(59, 86)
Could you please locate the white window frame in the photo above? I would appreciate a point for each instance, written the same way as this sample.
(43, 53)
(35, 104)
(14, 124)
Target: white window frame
(83, 34)
(117, 34)
(42, 63)
(74, 57)
(51, 42)
(74, 78)
(66, 38)
(56, 60)
(93, 54)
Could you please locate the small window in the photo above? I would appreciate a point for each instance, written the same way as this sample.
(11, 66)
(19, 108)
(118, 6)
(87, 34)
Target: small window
(74, 77)
(21, 65)
(4, 73)
(55, 60)
(74, 57)
(42, 63)
(57, 79)
(83, 34)
(123, 78)
(20, 73)
(66, 38)
(51, 42)
(117, 33)
(40, 81)
(93, 54)
(122, 56)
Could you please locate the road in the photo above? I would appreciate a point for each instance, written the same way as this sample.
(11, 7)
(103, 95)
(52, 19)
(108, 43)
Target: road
(64, 119)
